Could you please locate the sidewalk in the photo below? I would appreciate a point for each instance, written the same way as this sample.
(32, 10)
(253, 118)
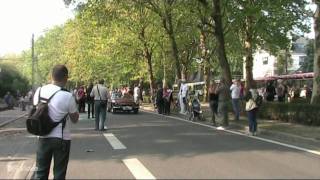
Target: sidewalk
(8, 116)
(296, 134)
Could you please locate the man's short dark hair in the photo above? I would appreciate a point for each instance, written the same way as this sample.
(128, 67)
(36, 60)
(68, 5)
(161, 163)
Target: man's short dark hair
(59, 72)
(101, 81)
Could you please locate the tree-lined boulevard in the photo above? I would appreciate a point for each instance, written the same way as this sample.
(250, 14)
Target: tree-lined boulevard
(147, 145)
(150, 49)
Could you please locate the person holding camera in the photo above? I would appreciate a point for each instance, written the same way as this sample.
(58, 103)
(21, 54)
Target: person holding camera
(56, 144)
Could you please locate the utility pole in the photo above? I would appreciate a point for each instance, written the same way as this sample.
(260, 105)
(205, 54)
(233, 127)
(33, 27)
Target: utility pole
(33, 61)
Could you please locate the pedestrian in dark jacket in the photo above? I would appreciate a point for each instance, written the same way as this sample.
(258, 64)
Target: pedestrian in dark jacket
(213, 101)
(159, 99)
(90, 101)
(271, 91)
(167, 99)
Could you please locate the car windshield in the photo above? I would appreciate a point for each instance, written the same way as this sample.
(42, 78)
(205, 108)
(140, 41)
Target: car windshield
(116, 95)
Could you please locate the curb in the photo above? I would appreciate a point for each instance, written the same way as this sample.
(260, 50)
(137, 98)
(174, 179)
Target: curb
(12, 120)
(244, 129)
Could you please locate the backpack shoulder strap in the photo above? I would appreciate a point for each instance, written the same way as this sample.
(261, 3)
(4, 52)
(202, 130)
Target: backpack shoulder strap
(98, 92)
(53, 95)
(45, 99)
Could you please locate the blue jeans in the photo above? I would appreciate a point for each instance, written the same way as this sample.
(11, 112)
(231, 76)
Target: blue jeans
(100, 115)
(252, 116)
(236, 108)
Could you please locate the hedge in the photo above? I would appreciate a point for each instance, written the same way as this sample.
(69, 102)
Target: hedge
(301, 113)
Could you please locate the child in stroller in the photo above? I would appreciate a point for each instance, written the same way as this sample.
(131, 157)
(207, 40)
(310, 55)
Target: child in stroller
(195, 112)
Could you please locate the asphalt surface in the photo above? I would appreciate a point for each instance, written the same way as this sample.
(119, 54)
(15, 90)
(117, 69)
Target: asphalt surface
(166, 148)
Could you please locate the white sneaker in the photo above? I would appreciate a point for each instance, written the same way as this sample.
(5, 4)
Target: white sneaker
(254, 134)
(220, 128)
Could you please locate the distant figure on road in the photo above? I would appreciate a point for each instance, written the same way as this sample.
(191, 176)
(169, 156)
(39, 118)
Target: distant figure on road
(159, 99)
(235, 95)
(57, 143)
(100, 94)
(8, 99)
(136, 94)
(183, 95)
(252, 109)
(140, 93)
(223, 93)
(81, 99)
(213, 101)
(167, 98)
(90, 101)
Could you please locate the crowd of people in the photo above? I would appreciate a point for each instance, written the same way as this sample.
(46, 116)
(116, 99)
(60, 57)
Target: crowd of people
(21, 100)
(281, 92)
(163, 99)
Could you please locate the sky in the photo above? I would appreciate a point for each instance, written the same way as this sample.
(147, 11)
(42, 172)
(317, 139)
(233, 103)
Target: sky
(19, 19)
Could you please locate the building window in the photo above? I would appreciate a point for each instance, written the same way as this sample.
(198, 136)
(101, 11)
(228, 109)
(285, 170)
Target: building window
(301, 60)
(265, 60)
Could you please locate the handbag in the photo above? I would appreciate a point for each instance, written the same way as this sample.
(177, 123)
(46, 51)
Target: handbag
(102, 102)
(250, 105)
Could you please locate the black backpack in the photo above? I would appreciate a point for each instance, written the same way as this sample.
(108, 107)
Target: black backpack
(39, 122)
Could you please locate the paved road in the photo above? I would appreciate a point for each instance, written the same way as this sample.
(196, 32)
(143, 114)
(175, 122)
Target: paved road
(151, 146)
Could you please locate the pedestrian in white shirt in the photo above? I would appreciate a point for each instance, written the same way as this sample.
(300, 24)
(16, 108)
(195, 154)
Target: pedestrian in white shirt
(235, 95)
(183, 93)
(100, 94)
(57, 143)
(136, 93)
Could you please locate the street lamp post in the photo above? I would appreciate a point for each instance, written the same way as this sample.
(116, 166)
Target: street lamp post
(33, 61)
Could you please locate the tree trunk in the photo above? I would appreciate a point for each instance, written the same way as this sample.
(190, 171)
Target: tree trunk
(248, 51)
(164, 70)
(316, 69)
(174, 46)
(148, 57)
(166, 18)
(205, 65)
(218, 33)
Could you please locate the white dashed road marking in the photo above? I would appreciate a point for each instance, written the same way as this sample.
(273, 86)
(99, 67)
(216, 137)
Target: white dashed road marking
(137, 169)
(114, 141)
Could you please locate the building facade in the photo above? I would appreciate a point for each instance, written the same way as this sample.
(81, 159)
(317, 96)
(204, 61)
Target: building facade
(265, 64)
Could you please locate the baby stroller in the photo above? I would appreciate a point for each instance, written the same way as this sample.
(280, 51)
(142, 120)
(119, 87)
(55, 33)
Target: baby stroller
(196, 112)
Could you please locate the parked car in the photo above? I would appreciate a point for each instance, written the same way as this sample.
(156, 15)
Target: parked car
(124, 103)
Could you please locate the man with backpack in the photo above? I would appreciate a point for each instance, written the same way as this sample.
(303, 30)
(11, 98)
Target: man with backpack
(60, 104)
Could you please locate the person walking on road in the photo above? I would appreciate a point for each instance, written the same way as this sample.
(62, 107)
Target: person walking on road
(101, 95)
(183, 94)
(223, 93)
(167, 98)
(57, 143)
(81, 98)
(8, 99)
(90, 101)
(252, 109)
(235, 95)
(136, 94)
(213, 101)
(159, 99)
